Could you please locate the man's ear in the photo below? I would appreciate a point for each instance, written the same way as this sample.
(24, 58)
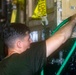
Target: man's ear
(19, 44)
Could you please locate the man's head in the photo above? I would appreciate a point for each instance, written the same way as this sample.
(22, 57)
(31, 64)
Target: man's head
(17, 36)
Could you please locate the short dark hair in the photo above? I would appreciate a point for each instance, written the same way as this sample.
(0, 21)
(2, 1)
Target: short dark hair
(14, 31)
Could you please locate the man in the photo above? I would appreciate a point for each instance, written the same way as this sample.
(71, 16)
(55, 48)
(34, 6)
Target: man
(26, 59)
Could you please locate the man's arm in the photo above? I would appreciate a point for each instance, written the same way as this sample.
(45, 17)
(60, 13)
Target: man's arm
(60, 37)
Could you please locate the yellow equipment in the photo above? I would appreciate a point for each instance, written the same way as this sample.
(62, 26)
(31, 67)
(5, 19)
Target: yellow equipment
(40, 9)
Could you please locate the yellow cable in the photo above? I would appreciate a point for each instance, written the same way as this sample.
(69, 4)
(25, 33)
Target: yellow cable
(13, 17)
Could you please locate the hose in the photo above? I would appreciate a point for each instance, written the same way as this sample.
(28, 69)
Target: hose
(71, 51)
(60, 25)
